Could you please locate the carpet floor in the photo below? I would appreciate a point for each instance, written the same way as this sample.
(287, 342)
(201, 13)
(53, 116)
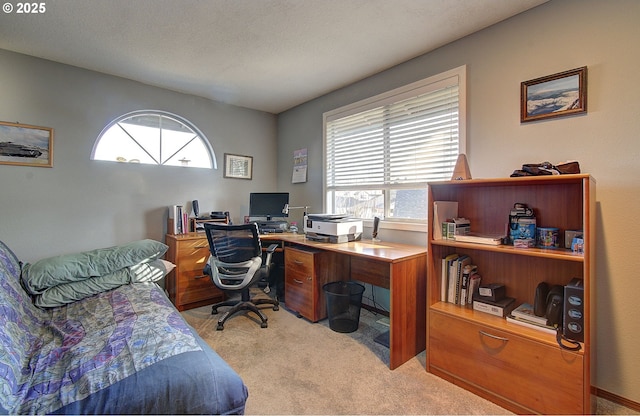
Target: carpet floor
(298, 367)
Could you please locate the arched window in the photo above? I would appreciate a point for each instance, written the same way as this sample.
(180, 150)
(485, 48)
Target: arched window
(156, 138)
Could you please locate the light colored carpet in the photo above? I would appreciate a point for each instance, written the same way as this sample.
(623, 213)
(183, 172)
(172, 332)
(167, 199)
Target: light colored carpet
(298, 367)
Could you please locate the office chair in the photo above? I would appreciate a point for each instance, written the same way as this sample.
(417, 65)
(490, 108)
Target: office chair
(236, 264)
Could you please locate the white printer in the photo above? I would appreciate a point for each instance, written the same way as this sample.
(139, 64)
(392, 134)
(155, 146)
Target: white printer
(332, 228)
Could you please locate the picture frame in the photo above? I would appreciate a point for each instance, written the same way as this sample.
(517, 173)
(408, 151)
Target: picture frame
(25, 145)
(238, 166)
(557, 95)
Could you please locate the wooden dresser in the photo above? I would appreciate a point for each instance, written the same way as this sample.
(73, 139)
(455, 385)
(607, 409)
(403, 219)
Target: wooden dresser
(187, 285)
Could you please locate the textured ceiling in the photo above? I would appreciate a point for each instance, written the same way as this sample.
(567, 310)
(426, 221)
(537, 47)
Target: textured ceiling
(268, 55)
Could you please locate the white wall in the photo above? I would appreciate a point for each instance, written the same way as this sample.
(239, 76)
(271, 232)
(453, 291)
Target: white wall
(81, 204)
(554, 37)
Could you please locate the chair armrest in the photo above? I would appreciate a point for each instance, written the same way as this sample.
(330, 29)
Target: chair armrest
(272, 248)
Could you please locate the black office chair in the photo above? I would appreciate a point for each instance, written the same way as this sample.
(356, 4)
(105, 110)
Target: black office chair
(235, 265)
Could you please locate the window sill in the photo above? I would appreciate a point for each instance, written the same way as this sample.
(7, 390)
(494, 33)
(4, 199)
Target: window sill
(398, 226)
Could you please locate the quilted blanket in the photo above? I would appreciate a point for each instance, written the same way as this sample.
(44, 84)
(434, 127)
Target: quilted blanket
(121, 351)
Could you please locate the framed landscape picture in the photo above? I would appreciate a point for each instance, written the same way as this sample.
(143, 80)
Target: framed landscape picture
(25, 145)
(556, 95)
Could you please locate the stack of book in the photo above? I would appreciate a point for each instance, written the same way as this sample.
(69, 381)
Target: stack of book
(178, 220)
(523, 315)
(459, 280)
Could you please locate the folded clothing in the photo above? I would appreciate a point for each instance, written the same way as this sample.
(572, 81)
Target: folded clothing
(64, 279)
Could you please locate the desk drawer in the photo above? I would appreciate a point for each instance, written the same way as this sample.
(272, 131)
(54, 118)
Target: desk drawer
(538, 376)
(299, 293)
(299, 261)
(195, 286)
(187, 285)
(303, 291)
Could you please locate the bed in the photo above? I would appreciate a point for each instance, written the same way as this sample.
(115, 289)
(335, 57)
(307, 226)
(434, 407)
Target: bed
(113, 345)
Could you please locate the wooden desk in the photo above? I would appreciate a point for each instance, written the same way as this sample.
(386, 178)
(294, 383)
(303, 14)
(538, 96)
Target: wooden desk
(400, 268)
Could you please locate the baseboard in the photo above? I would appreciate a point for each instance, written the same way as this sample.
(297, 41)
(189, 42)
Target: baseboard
(616, 399)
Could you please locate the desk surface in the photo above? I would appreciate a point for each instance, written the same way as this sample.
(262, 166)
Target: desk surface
(380, 250)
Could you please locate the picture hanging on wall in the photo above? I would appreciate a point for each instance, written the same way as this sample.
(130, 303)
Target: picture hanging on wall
(556, 95)
(25, 145)
(238, 166)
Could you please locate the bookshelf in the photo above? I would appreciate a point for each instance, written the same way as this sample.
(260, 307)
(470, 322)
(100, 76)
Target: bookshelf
(521, 369)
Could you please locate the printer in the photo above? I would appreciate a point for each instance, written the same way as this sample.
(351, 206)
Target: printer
(332, 228)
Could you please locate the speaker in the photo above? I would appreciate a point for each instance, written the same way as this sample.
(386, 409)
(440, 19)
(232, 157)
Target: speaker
(196, 208)
(376, 224)
(573, 323)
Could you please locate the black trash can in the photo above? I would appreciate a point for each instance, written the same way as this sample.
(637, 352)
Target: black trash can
(344, 300)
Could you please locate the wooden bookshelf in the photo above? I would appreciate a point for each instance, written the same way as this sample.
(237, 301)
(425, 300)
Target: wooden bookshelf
(521, 369)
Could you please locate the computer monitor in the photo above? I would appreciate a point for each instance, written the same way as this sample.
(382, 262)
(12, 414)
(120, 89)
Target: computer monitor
(268, 204)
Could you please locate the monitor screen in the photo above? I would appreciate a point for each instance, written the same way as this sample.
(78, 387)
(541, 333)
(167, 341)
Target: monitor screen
(268, 204)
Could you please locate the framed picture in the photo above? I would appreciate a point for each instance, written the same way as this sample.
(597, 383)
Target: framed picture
(25, 145)
(238, 166)
(555, 95)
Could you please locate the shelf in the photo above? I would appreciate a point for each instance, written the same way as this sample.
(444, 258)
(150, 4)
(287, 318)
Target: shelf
(559, 254)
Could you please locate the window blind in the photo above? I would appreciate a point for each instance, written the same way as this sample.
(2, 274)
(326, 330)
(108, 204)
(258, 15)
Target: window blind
(407, 138)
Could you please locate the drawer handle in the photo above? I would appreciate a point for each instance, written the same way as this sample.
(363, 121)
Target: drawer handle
(298, 281)
(494, 336)
(298, 262)
(207, 246)
(201, 276)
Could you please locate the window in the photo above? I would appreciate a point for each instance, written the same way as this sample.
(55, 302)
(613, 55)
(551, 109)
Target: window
(156, 138)
(381, 152)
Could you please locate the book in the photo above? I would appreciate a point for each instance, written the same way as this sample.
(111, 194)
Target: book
(490, 239)
(500, 308)
(463, 261)
(468, 270)
(444, 280)
(525, 313)
(443, 211)
(544, 328)
(455, 277)
(474, 284)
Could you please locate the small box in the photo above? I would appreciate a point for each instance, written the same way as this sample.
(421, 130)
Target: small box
(569, 235)
(573, 322)
(548, 237)
(491, 292)
(522, 229)
(524, 243)
(459, 226)
(501, 308)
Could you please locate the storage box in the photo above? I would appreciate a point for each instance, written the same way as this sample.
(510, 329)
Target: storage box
(522, 229)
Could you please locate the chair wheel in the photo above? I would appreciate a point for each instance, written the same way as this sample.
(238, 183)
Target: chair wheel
(220, 327)
(214, 311)
(276, 308)
(263, 325)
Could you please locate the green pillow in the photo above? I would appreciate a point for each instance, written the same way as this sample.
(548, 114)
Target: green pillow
(70, 292)
(68, 268)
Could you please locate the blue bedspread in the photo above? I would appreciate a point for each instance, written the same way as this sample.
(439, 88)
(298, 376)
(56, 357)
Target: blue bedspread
(124, 351)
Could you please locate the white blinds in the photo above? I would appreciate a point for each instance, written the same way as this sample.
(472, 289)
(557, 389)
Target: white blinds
(408, 138)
